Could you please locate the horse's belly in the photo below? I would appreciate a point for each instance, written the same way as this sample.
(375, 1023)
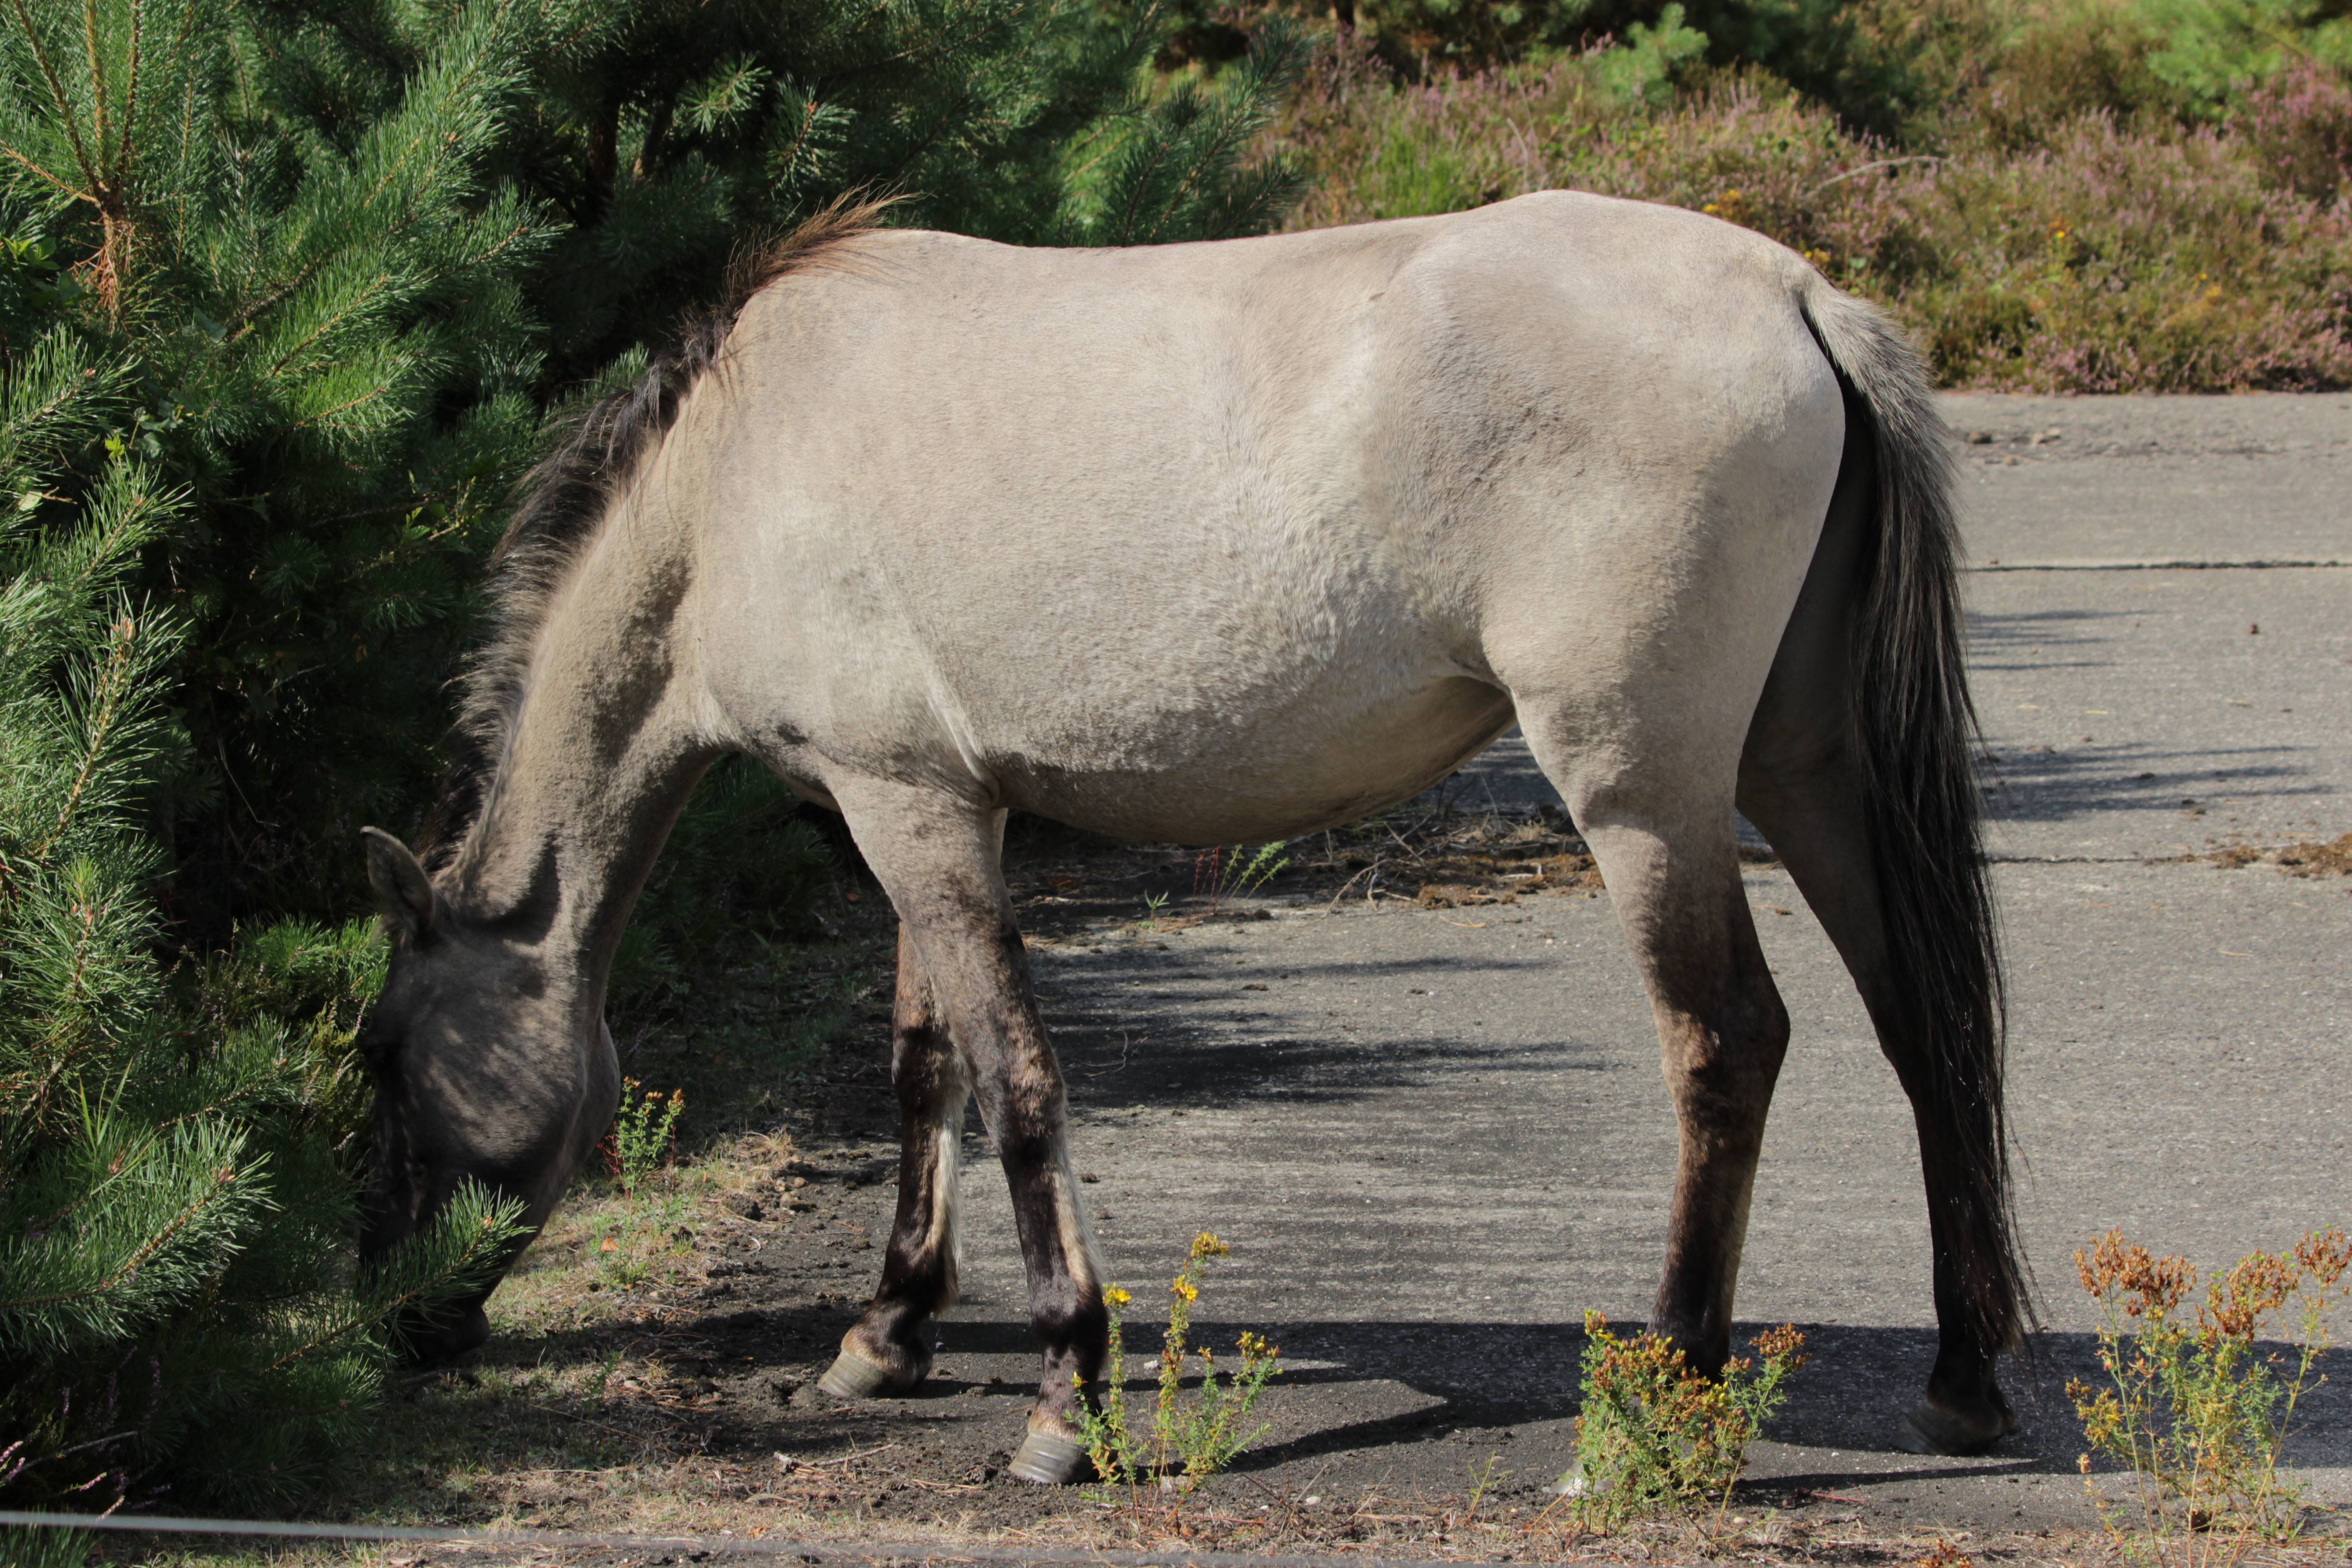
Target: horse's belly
(1238, 781)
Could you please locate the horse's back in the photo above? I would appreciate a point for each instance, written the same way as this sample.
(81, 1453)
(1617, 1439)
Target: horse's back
(1222, 540)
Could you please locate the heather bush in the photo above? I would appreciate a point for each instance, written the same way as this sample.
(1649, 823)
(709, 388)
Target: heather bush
(2117, 262)
(2058, 61)
(2298, 128)
(2098, 251)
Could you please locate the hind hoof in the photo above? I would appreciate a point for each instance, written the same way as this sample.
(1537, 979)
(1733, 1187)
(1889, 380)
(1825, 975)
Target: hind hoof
(1048, 1461)
(1931, 1429)
(854, 1377)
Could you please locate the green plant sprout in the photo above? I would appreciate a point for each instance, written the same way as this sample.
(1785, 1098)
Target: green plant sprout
(644, 1133)
(1183, 1447)
(1656, 1435)
(1237, 870)
(2193, 1411)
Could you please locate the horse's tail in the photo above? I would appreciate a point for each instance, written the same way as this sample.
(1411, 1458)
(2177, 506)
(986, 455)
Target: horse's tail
(1914, 731)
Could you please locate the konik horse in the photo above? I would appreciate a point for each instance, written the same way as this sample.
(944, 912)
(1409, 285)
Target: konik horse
(1215, 543)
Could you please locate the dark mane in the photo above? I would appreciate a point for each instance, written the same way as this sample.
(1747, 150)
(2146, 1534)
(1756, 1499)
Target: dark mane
(566, 498)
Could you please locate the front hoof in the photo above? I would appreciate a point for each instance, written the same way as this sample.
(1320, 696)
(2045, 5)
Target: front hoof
(852, 1376)
(430, 1340)
(1048, 1461)
(1932, 1429)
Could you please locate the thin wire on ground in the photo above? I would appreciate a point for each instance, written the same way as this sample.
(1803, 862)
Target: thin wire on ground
(909, 1552)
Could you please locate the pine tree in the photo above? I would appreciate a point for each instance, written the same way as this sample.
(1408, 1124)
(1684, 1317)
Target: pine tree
(352, 248)
(176, 1170)
(664, 135)
(326, 354)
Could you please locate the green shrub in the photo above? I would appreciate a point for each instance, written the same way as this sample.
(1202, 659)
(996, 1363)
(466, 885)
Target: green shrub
(346, 255)
(740, 863)
(284, 290)
(1655, 1436)
(2196, 1413)
(322, 352)
(2209, 52)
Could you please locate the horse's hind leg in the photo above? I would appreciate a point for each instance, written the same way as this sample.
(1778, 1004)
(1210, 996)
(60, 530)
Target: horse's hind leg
(887, 1350)
(1800, 786)
(1811, 815)
(937, 858)
(1662, 835)
(1801, 783)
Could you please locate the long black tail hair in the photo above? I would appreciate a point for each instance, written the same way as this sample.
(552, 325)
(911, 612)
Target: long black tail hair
(1915, 733)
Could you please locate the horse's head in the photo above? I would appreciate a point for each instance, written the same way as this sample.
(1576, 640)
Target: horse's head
(491, 1064)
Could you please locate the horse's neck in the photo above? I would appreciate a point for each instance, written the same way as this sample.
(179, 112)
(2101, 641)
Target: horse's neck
(601, 756)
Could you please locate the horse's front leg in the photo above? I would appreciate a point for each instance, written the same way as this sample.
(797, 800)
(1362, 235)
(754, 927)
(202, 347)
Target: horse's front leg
(889, 1349)
(937, 859)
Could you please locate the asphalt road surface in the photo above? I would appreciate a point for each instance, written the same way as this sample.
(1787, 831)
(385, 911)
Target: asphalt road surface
(1435, 1138)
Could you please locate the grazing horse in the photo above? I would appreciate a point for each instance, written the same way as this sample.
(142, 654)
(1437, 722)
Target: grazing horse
(1223, 542)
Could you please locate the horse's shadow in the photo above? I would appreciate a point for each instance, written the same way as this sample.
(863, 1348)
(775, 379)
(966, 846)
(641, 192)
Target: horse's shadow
(2023, 782)
(1848, 1399)
(1393, 1391)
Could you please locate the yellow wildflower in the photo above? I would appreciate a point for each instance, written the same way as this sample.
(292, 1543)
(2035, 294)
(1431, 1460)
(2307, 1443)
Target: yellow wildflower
(1206, 1245)
(1113, 1296)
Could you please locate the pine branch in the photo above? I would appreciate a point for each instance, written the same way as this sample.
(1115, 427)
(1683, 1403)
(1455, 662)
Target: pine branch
(60, 100)
(114, 687)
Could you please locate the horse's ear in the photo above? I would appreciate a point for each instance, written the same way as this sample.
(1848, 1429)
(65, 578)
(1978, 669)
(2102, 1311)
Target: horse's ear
(402, 891)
